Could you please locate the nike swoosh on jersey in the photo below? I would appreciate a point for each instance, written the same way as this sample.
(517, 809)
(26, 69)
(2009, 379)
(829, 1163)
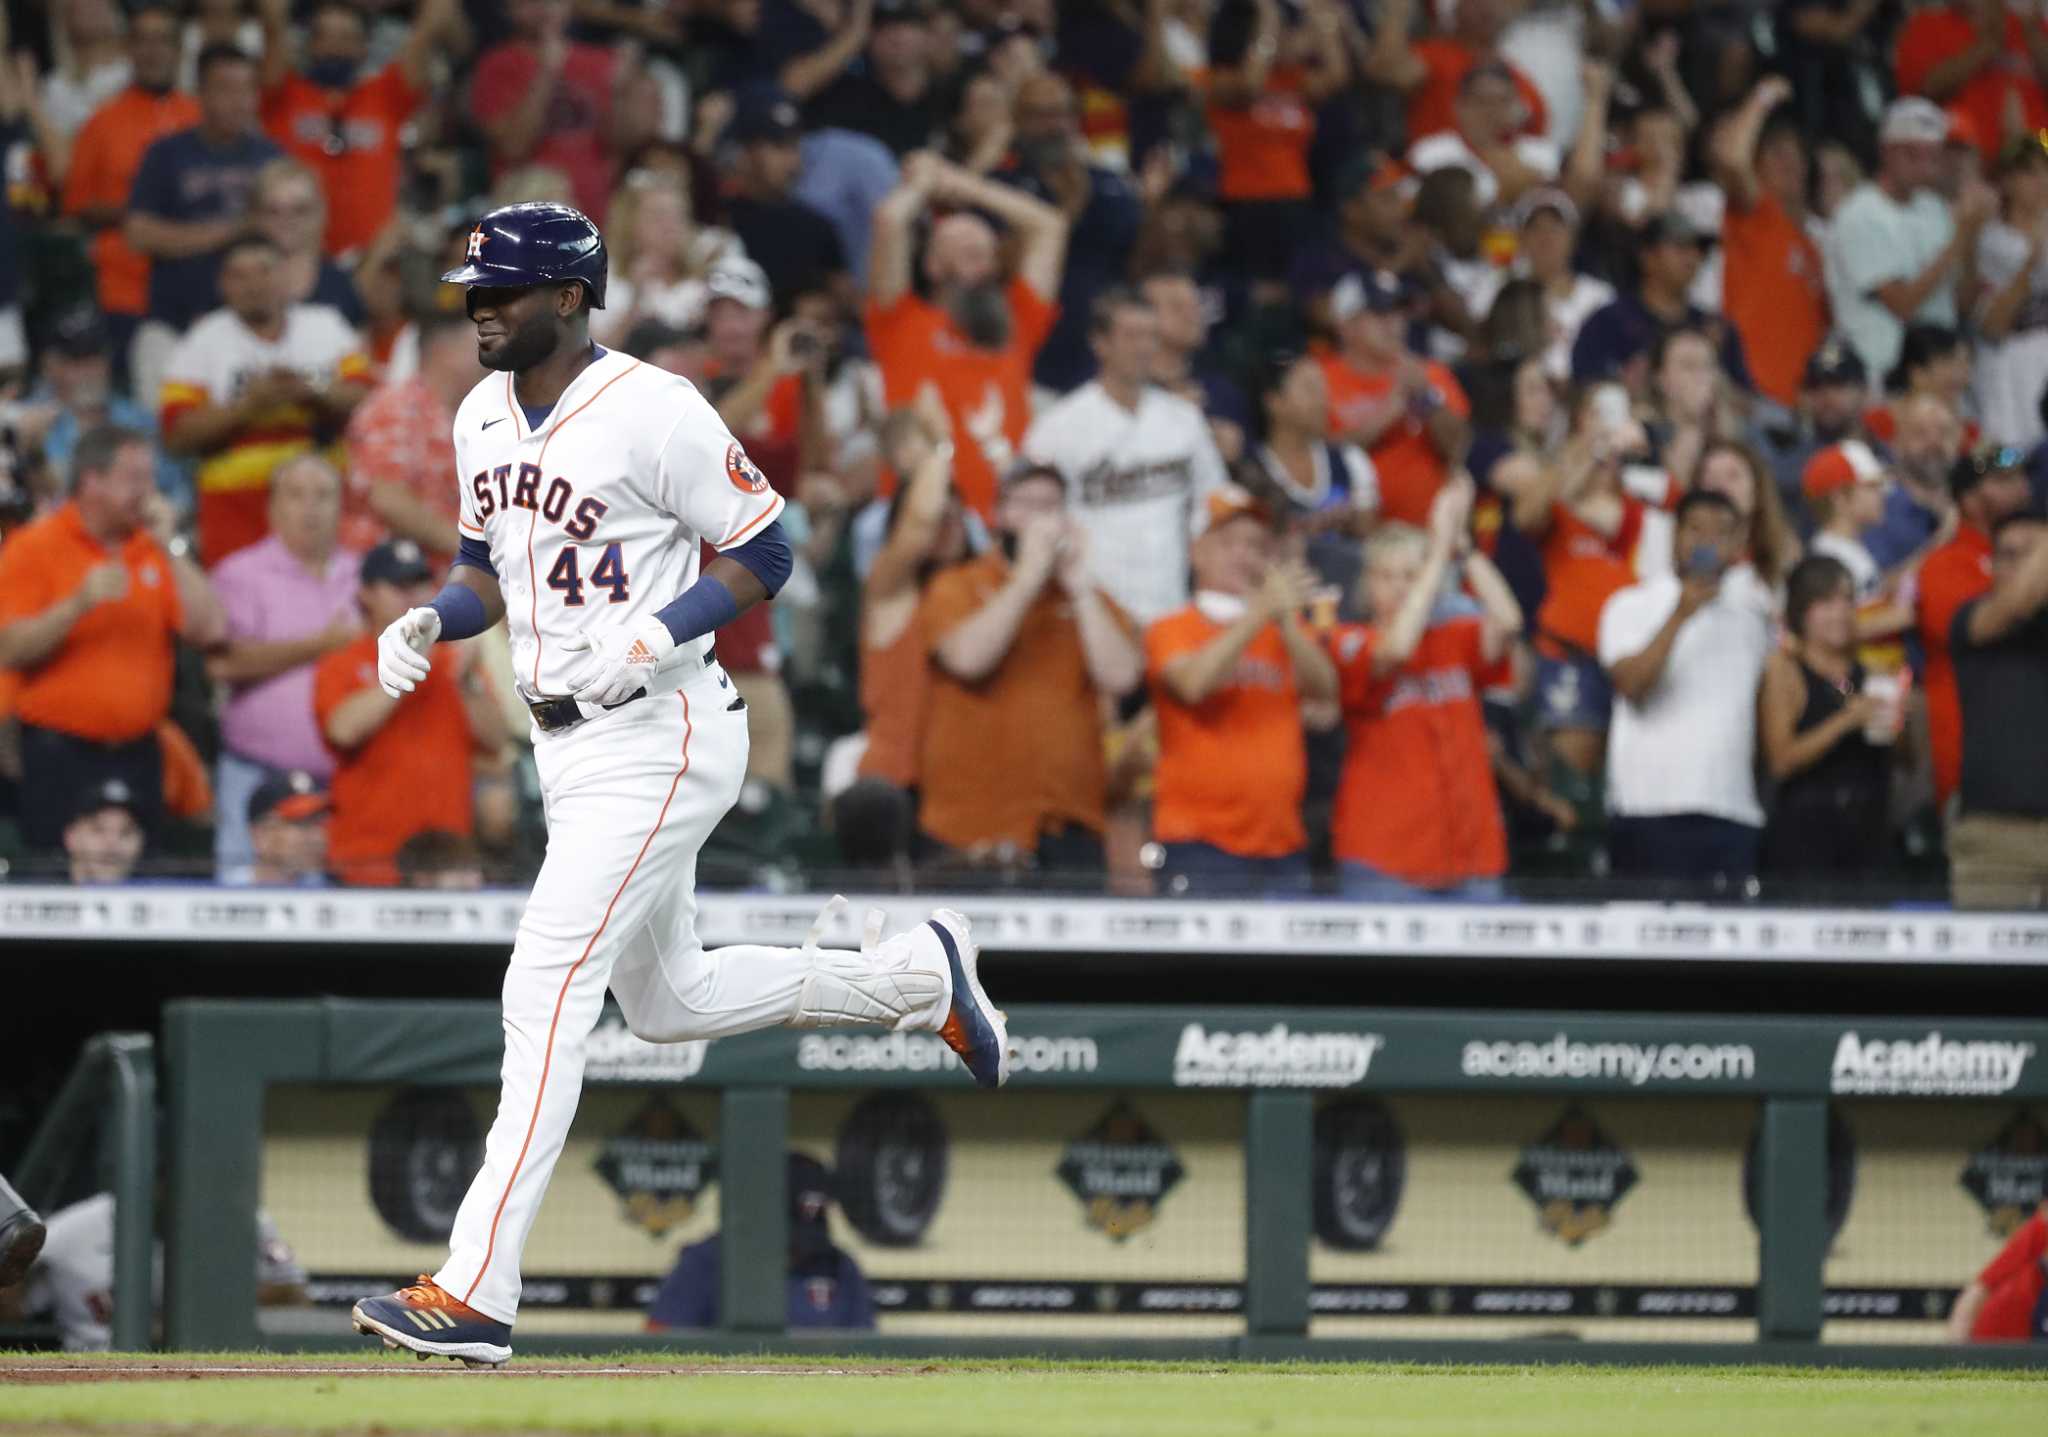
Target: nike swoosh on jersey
(489, 422)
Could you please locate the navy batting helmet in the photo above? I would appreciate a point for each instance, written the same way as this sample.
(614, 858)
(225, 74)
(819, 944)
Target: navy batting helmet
(519, 245)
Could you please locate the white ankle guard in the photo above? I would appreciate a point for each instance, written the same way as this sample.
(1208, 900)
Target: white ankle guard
(902, 983)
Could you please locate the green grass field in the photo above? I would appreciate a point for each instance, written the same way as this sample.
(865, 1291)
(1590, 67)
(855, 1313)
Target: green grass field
(854, 1398)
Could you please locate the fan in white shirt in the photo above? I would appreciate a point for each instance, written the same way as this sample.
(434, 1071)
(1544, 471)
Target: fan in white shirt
(1139, 462)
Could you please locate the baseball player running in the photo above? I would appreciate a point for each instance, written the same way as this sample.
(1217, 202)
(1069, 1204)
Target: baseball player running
(587, 481)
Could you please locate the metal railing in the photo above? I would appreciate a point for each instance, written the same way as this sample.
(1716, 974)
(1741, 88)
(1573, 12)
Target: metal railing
(115, 1077)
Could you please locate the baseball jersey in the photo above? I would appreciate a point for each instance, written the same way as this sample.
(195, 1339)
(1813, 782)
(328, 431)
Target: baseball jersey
(212, 364)
(1137, 477)
(593, 519)
(73, 1277)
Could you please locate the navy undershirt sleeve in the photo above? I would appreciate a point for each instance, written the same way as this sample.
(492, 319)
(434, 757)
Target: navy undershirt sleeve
(477, 554)
(767, 556)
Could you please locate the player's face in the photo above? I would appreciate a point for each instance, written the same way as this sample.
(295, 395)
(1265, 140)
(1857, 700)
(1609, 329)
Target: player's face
(516, 328)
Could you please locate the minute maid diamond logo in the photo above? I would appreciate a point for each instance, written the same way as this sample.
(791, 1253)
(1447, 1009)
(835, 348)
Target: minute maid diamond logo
(2008, 1176)
(659, 1166)
(1576, 1176)
(1121, 1170)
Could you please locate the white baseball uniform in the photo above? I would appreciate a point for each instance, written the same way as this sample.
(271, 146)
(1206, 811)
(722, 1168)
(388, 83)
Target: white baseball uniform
(593, 520)
(1137, 478)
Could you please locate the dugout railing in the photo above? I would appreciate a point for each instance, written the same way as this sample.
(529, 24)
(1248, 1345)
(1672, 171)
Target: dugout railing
(224, 1059)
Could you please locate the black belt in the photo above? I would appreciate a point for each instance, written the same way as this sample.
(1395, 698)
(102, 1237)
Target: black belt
(560, 715)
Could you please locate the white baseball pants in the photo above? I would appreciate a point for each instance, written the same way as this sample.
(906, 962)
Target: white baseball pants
(630, 797)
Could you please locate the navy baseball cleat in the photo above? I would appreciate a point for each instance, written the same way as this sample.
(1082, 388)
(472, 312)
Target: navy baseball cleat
(21, 1240)
(975, 1028)
(430, 1322)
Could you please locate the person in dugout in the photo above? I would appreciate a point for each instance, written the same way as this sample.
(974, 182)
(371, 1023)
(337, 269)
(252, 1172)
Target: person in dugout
(826, 1286)
(2008, 1301)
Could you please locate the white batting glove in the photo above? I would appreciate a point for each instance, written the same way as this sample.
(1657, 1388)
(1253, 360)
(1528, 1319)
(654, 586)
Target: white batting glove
(621, 660)
(402, 650)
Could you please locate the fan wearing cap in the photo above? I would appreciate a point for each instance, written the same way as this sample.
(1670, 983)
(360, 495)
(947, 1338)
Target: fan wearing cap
(404, 763)
(1988, 487)
(1846, 488)
(1773, 287)
(1230, 675)
(1548, 226)
(2012, 317)
(103, 837)
(1024, 649)
(1845, 485)
(1834, 389)
(1985, 60)
(1669, 252)
(796, 246)
(1409, 414)
(287, 817)
(1367, 229)
(825, 1286)
(78, 394)
(1896, 254)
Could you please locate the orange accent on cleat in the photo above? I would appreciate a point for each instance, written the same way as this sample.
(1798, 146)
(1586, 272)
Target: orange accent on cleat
(955, 1034)
(428, 1293)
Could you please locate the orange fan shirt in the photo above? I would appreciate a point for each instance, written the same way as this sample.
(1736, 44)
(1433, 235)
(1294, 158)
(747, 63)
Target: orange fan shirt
(1582, 569)
(987, 392)
(1941, 33)
(1262, 148)
(1019, 753)
(1950, 577)
(104, 158)
(1774, 294)
(350, 139)
(410, 775)
(1410, 468)
(110, 679)
(1232, 770)
(1416, 798)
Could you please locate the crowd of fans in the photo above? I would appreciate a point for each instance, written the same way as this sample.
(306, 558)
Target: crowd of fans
(1414, 449)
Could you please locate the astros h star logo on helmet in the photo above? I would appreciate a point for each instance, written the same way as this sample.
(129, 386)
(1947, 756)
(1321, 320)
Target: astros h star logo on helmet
(476, 243)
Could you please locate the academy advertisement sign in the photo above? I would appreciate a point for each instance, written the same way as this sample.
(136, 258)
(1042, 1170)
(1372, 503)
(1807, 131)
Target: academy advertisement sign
(1274, 1057)
(1928, 1066)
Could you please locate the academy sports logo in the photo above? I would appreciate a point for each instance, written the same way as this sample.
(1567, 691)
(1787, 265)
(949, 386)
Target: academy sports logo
(928, 1053)
(614, 1054)
(1276, 1058)
(1930, 1066)
(742, 472)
